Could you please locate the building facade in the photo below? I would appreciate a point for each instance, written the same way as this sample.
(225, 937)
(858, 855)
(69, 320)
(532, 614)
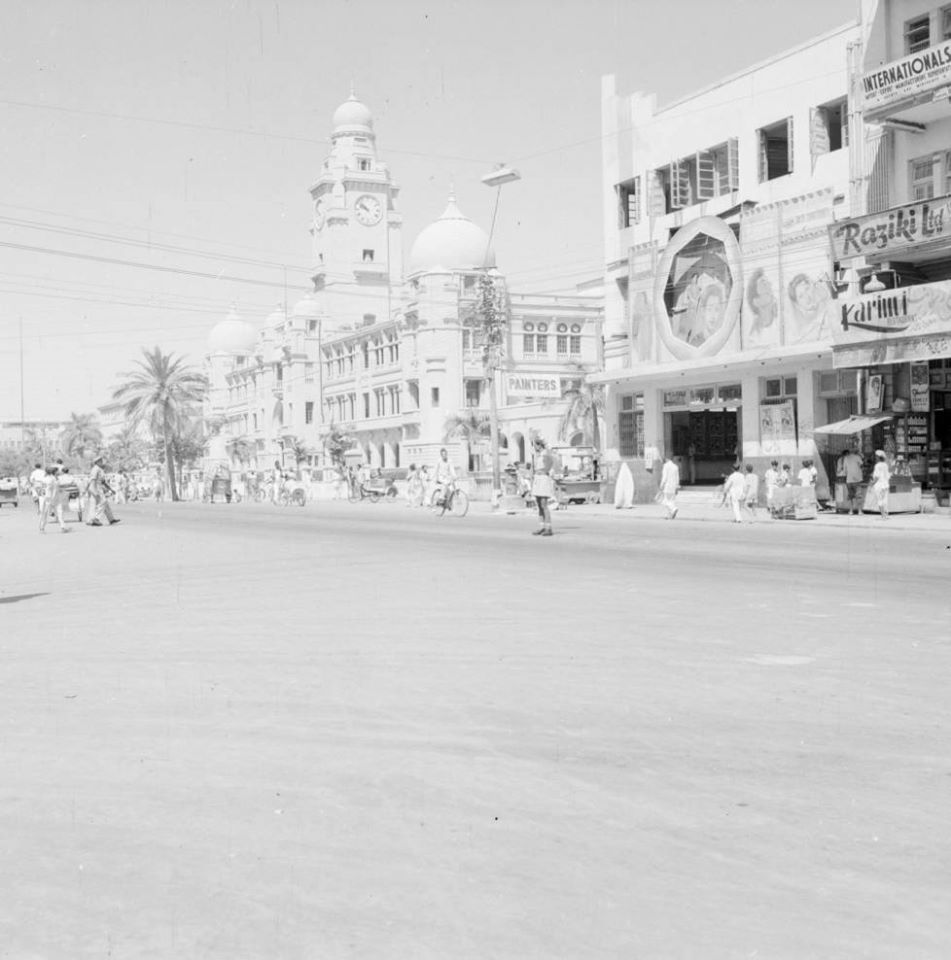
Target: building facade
(718, 277)
(892, 327)
(392, 356)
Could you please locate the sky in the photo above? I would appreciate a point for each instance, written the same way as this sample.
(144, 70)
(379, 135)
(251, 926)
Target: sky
(155, 158)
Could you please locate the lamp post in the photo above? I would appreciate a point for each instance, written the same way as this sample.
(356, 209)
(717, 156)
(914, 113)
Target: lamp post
(491, 309)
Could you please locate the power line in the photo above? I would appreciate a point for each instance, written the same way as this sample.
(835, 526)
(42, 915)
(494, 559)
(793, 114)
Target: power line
(147, 244)
(142, 266)
(212, 128)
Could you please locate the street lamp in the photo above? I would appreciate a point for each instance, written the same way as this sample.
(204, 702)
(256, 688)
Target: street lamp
(492, 320)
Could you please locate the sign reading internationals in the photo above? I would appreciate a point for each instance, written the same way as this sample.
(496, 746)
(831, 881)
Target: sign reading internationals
(885, 233)
(912, 75)
(528, 385)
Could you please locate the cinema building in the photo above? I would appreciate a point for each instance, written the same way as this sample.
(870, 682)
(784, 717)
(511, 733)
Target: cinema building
(719, 285)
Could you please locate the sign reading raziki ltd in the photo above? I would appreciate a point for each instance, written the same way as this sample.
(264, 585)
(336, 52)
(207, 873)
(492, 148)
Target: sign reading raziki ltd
(884, 233)
(524, 385)
(912, 75)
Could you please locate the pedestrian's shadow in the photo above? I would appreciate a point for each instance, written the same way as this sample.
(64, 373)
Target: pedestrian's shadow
(17, 597)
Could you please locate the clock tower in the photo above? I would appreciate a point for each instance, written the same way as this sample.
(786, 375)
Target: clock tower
(357, 249)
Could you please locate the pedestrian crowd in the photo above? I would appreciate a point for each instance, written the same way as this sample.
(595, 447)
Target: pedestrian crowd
(741, 488)
(53, 489)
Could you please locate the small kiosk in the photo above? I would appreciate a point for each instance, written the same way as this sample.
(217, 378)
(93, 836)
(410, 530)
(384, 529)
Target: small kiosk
(865, 433)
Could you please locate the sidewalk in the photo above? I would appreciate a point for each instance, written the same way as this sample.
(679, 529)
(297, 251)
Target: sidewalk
(696, 506)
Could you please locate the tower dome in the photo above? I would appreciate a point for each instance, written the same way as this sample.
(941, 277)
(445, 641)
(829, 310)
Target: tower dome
(453, 242)
(307, 308)
(353, 117)
(232, 335)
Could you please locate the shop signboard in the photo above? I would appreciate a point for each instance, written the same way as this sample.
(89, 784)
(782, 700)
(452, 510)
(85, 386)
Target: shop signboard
(912, 76)
(904, 324)
(920, 388)
(533, 385)
(879, 236)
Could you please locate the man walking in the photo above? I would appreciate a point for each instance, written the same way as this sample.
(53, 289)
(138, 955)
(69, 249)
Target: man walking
(97, 489)
(852, 466)
(734, 490)
(669, 485)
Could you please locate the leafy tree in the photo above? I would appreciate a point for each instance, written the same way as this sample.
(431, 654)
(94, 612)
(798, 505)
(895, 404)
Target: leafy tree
(336, 443)
(297, 449)
(585, 406)
(162, 392)
(128, 451)
(239, 448)
(82, 437)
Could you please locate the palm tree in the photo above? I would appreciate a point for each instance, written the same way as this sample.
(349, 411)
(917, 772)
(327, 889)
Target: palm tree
(336, 443)
(162, 392)
(240, 449)
(296, 448)
(470, 427)
(81, 436)
(585, 405)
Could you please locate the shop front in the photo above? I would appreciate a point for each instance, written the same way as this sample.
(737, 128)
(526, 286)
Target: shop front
(899, 340)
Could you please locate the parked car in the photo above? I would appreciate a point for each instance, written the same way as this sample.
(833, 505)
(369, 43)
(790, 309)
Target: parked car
(10, 491)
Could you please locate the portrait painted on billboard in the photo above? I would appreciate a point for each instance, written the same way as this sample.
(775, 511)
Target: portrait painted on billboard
(810, 302)
(698, 290)
(760, 312)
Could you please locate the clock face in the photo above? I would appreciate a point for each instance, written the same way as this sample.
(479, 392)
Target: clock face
(368, 209)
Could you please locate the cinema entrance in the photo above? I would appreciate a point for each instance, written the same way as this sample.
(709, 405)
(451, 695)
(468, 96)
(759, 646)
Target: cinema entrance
(702, 427)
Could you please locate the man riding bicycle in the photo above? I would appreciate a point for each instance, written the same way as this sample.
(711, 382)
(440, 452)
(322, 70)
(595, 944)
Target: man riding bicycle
(444, 478)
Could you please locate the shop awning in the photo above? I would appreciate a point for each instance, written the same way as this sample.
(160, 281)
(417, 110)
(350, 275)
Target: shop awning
(856, 424)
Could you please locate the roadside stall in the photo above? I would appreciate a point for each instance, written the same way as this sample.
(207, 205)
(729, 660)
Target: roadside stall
(863, 434)
(578, 479)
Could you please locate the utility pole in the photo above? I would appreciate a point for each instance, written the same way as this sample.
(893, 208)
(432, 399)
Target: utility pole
(22, 404)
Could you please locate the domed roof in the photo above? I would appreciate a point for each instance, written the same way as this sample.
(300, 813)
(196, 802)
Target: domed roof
(232, 335)
(353, 117)
(453, 242)
(307, 307)
(276, 317)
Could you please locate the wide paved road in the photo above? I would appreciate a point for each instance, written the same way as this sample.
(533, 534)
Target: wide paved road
(362, 732)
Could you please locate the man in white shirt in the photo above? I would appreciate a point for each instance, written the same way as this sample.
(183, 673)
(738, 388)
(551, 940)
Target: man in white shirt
(37, 483)
(734, 490)
(669, 485)
(443, 477)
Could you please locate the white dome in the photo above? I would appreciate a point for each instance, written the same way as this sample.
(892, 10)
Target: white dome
(307, 308)
(276, 317)
(353, 117)
(232, 335)
(453, 242)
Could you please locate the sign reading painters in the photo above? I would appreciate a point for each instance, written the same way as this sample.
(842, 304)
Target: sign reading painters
(879, 235)
(912, 75)
(529, 385)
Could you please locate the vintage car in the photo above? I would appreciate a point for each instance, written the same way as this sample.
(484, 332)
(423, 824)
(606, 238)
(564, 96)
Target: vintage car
(9, 491)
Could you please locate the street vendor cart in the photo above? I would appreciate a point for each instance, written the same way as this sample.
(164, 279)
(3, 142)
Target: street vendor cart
(578, 480)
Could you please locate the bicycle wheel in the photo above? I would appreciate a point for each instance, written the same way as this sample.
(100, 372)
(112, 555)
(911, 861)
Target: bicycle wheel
(459, 503)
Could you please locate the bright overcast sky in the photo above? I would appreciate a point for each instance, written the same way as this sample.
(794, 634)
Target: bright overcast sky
(149, 132)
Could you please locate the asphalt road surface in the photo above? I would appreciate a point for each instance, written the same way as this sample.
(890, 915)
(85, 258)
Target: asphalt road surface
(358, 731)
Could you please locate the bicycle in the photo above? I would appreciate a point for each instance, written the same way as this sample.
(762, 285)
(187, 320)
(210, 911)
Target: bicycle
(453, 500)
(287, 497)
